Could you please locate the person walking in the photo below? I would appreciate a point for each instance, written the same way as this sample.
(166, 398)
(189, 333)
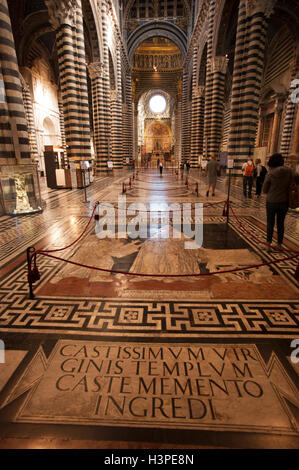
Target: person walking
(248, 173)
(212, 170)
(188, 166)
(161, 168)
(260, 172)
(277, 187)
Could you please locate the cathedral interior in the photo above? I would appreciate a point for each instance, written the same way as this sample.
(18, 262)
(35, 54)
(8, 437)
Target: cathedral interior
(140, 309)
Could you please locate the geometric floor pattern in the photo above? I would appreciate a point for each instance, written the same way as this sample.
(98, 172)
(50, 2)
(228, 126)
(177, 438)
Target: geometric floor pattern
(150, 369)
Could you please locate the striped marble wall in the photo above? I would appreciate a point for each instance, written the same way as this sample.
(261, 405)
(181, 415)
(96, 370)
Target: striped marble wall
(247, 79)
(14, 138)
(28, 105)
(68, 22)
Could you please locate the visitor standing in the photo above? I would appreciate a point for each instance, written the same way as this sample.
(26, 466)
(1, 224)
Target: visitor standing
(161, 168)
(260, 172)
(212, 169)
(188, 166)
(277, 187)
(248, 174)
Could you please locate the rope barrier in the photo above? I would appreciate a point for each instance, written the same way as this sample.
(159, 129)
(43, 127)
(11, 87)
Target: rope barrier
(34, 275)
(209, 204)
(79, 238)
(114, 271)
(160, 190)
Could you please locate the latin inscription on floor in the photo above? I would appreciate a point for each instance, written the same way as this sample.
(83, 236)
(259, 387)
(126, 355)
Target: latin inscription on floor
(195, 386)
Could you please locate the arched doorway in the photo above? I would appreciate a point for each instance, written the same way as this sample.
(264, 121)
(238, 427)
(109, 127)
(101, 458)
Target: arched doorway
(50, 137)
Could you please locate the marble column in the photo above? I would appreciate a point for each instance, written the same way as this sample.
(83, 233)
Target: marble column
(14, 140)
(178, 124)
(259, 134)
(194, 111)
(186, 119)
(96, 71)
(209, 80)
(62, 126)
(295, 140)
(218, 69)
(67, 19)
(247, 78)
(116, 116)
(28, 106)
(197, 131)
(289, 115)
(135, 134)
(129, 109)
(274, 140)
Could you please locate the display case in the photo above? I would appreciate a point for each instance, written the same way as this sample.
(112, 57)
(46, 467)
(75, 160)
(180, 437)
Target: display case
(57, 172)
(20, 190)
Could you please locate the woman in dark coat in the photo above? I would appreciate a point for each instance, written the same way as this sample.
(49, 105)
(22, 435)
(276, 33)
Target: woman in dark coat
(277, 187)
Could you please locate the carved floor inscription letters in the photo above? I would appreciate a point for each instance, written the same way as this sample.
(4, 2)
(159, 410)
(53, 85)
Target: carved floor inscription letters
(175, 385)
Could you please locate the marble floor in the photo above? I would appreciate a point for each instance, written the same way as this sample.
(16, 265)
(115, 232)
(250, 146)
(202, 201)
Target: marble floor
(154, 344)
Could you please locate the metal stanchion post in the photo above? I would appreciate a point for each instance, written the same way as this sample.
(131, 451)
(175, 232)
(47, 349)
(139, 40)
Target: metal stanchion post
(30, 251)
(84, 185)
(228, 197)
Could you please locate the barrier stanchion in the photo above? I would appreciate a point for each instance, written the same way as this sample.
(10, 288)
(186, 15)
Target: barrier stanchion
(30, 280)
(228, 197)
(33, 273)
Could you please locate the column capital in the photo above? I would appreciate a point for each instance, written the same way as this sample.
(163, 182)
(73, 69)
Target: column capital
(198, 91)
(279, 102)
(24, 84)
(113, 95)
(62, 12)
(218, 64)
(260, 6)
(96, 69)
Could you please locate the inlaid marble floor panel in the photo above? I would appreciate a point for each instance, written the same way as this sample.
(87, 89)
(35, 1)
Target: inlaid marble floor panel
(111, 360)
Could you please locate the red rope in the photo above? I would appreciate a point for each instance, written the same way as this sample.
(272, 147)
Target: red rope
(170, 189)
(209, 204)
(79, 238)
(167, 275)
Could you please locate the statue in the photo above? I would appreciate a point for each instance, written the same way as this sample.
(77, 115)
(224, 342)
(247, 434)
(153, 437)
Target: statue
(22, 200)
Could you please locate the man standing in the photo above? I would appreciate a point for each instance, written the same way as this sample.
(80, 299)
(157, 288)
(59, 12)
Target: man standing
(248, 173)
(260, 174)
(161, 168)
(212, 168)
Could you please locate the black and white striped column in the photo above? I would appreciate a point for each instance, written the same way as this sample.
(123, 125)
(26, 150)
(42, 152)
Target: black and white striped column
(127, 121)
(28, 105)
(197, 131)
(209, 80)
(247, 78)
(14, 141)
(61, 124)
(116, 117)
(194, 113)
(66, 17)
(289, 116)
(218, 70)
(186, 119)
(96, 73)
